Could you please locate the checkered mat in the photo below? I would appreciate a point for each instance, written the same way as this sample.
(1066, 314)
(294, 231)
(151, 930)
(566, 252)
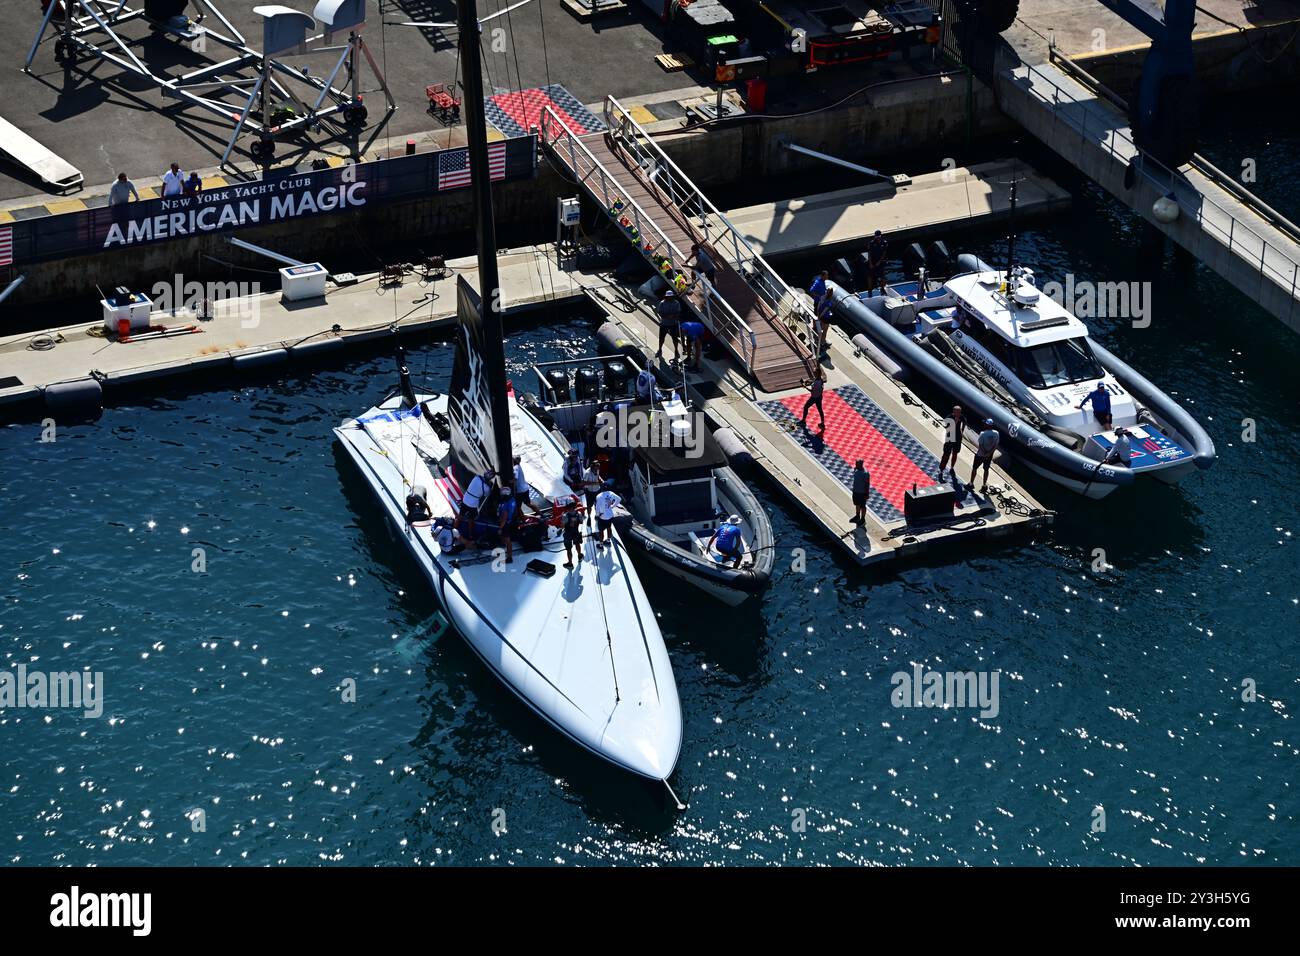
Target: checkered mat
(856, 427)
(513, 113)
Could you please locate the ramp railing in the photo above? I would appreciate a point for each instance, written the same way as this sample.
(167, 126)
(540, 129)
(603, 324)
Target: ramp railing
(659, 170)
(720, 318)
(1271, 261)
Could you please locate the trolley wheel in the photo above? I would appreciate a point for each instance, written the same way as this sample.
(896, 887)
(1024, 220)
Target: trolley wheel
(355, 113)
(262, 150)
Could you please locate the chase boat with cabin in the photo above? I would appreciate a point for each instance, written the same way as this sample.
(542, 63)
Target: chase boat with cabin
(581, 647)
(690, 513)
(1003, 350)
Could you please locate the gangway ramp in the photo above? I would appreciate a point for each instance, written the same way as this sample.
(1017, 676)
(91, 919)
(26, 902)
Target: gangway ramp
(764, 323)
(53, 170)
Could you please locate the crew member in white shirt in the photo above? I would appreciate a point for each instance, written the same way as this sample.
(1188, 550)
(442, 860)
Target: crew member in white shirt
(606, 502)
(472, 500)
(523, 490)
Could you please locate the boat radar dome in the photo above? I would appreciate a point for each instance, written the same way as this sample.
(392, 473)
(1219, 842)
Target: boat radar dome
(1025, 294)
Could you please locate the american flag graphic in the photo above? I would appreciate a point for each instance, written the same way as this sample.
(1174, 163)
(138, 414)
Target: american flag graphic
(6, 246)
(453, 166)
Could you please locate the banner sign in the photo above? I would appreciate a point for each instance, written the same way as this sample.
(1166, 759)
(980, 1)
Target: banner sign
(286, 196)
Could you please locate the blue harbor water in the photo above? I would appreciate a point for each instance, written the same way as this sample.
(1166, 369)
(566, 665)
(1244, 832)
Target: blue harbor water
(223, 688)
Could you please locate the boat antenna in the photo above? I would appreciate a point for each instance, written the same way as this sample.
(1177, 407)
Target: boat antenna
(1011, 235)
(1011, 219)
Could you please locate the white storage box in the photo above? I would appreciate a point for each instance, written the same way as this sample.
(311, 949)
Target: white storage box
(135, 307)
(303, 282)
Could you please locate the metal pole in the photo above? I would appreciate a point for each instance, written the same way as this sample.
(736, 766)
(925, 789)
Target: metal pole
(493, 342)
(796, 148)
(242, 244)
(12, 286)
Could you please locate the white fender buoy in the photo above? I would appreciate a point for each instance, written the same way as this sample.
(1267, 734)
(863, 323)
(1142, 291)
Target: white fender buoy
(1165, 209)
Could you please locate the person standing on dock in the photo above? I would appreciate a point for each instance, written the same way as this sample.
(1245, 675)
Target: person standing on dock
(1100, 399)
(669, 311)
(693, 332)
(985, 446)
(123, 191)
(819, 290)
(703, 264)
(173, 181)
(822, 323)
(861, 491)
(816, 385)
(193, 185)
(877, 250)
(953, 426)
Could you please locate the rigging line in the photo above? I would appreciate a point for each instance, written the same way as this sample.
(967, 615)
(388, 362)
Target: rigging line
(514, 47)
(600, 592)
(546, 58)
(487, 68)
(455, 78)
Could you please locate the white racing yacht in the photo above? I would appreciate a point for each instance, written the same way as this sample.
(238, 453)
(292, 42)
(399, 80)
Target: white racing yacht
(581, 647)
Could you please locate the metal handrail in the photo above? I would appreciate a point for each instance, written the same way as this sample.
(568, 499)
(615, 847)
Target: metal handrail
(717, 313)
(1113, 136)
(691, 200)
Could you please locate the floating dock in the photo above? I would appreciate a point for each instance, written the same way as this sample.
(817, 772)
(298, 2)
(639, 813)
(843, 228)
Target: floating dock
(869, 416)
(263, 330)
(758, 389)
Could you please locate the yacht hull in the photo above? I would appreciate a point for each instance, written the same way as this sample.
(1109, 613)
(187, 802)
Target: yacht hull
(581, 648)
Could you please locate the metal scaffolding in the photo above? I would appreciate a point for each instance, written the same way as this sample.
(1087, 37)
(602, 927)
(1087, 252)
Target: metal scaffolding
(254, 90)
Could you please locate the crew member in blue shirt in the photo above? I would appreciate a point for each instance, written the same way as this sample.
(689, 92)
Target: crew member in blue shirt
(728, 540)
(819, 290)
(1100, 399)
(694, 334)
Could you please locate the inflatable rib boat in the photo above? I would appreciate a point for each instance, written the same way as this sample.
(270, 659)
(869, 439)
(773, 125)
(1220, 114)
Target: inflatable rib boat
(1005, 352)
